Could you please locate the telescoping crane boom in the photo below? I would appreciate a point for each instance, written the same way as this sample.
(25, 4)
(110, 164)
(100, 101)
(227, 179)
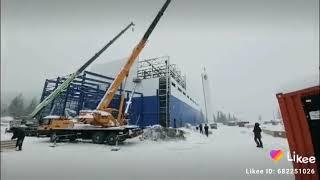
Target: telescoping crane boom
(102, 124)
(102, 116)
(71, 77)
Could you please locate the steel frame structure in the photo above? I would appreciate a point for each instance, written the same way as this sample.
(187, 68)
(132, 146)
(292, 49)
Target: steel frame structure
(85, 92)
(157, 67)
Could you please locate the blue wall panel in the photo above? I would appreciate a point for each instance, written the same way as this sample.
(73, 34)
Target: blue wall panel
(144, 111)
(183, 113)
(150, 115)
(148, 112)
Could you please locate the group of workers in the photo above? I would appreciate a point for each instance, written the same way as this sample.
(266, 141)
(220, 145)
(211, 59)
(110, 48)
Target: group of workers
(19, 134)
(206, 129)
(256, 132)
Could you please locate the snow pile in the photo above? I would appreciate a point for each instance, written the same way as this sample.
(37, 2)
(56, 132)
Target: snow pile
(4, 134)
(6, 119)
(83, 126)
(188, 126)
(52, 117)
(5, 125)
(158, 132)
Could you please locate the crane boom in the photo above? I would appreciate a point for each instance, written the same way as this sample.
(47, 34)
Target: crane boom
(68, 81)
(105, 101)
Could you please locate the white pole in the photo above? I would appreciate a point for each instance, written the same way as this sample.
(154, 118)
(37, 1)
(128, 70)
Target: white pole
(204, 95)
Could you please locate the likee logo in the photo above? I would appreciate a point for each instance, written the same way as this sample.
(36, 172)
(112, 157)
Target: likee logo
(276, 155)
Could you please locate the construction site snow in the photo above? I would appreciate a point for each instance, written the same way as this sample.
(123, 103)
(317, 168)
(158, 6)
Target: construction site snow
(157, 132)
(4, 128)
(225, 154)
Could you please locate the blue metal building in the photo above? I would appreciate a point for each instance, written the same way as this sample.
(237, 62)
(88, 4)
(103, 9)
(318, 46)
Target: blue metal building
(85, 92)
(162, 97)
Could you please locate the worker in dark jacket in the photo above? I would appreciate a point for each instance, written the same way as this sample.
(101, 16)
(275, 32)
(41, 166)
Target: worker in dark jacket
(19, 134)
(200, 127)
(257, 135)
(206, 130)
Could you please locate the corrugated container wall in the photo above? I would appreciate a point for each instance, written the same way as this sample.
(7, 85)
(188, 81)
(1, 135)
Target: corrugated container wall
(300, 113)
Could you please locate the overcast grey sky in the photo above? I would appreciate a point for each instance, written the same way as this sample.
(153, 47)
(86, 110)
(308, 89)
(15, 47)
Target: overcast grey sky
(251, 48)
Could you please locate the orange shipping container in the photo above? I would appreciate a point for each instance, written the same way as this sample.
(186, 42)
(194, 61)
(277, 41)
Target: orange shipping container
(300, 112)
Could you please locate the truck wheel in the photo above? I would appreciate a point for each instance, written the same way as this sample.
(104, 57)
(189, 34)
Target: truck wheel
(98, 138)
(111, 139)
(52, 137)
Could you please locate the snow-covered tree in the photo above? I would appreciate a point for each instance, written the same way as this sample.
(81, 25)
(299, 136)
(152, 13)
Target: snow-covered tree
(31, 106)
(4, 110)
(234, 118)
(229, 117)
(16, 107)
(214, 118)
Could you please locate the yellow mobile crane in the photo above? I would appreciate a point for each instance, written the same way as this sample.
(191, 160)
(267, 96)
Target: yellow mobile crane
(50, 122)
(108, 124)
(106, 119)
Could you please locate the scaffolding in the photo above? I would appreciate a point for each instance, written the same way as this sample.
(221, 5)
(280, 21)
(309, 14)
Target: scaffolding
(159, 67)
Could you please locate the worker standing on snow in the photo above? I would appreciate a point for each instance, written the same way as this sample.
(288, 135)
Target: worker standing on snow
(206, 130)
(200, 127)
(19, 134)
(257, 135)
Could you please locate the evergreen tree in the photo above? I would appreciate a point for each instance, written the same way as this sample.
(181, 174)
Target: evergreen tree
(219, 118)
(223, 117)
(229, 117)
(4, 110)
(31, 106)
(234, 118)
(16, 107)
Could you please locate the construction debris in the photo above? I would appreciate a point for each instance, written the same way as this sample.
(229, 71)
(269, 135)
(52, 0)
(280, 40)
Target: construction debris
(158, 132)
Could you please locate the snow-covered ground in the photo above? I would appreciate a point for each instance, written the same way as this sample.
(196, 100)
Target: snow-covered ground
(224, 155)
